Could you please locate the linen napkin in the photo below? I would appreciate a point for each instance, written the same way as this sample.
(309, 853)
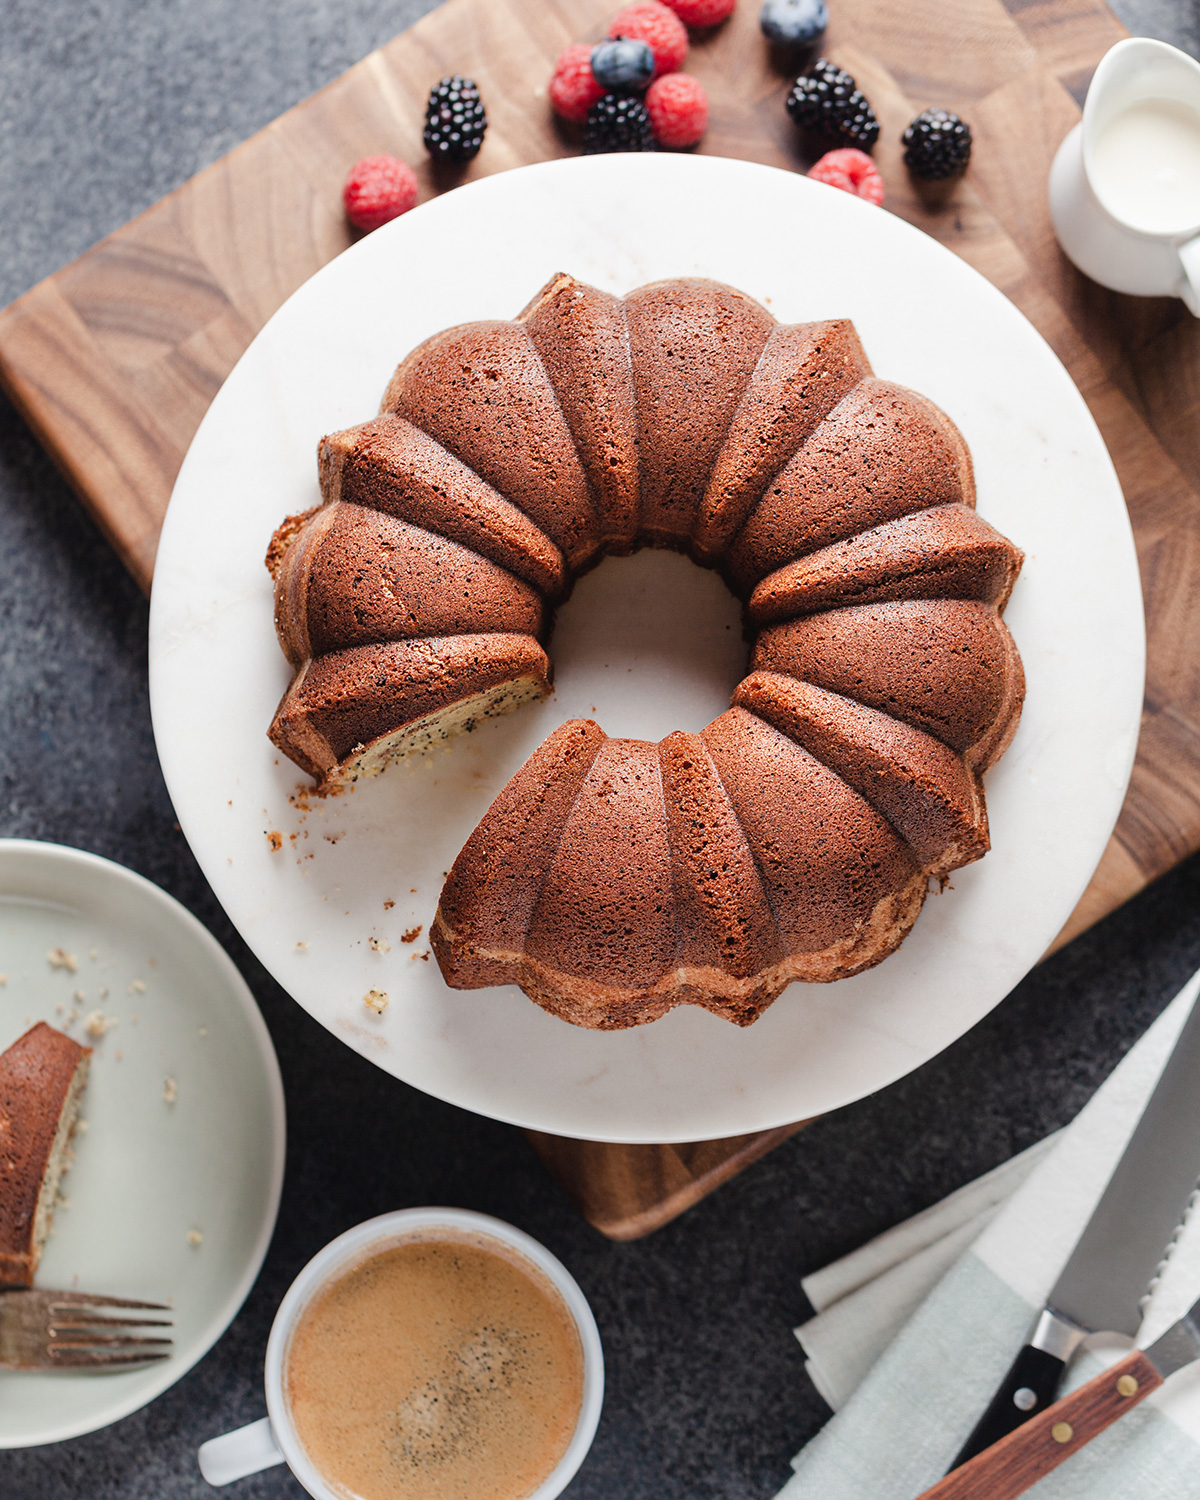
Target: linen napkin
(915, 1331)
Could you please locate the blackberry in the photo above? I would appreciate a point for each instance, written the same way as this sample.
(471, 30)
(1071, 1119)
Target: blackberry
(827, 101)
(455, 120)
(937, 144)
(623, 66)
(617, 123)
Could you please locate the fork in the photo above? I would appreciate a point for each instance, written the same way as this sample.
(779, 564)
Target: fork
(44, 1330)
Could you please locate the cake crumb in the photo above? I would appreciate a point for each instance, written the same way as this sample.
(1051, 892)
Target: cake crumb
(138, 987)
(59, 958)
(97, 1024)
(3, 978)
(104, 992)
(81, 1126)
(79, 997)
(274, 840)
(376, 946)
(412, 934)
(302, 946)
(170, 1091)
(194, 1238)
(387, 906)
(376, 1000)
(62, 1201)
(119, 1054)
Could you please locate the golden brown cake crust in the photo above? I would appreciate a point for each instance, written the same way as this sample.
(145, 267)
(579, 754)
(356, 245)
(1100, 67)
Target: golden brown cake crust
(583, 340)
(36, 1077)
(695, 345)
(356, 576)
(882, 453)
(483, 393)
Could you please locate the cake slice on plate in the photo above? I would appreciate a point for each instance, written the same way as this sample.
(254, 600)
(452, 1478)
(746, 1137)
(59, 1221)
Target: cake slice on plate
(41, 1079)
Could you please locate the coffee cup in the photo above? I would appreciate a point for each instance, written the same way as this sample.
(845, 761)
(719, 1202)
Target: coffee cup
(1125, 184)
(275, 1438)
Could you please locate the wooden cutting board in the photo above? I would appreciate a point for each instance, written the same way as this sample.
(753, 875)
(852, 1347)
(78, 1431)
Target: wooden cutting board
(114, 360)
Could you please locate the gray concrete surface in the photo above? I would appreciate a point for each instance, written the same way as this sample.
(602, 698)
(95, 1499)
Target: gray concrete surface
(104, 106)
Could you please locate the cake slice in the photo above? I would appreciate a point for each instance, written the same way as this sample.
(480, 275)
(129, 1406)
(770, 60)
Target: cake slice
(353, 576)
(601, 941)
(946, 666)
(350, 713)
(922, 788)
(42, 1076)
(482, 919)
(803, 372)
(392, 466)
(583, 340)
(695, 345)
(482, 391)
(883, 452)
(945, 553)
(728, 943)
(843, 885)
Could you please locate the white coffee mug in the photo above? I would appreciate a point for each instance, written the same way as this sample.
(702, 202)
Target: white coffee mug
(273, 1440)
(1125, 184)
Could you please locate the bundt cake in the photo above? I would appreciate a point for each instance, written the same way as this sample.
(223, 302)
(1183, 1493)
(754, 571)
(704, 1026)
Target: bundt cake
(795, 836)
(41, 1079)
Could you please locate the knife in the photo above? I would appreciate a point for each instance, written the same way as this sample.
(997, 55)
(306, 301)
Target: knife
(1104, 1282)
(1008, 1468)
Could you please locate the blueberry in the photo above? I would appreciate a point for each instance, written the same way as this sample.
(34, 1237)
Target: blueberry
(793, 23)
(623, 65)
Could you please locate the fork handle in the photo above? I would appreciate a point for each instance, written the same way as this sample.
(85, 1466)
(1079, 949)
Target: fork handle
(233, 1455)
(1008, 1468)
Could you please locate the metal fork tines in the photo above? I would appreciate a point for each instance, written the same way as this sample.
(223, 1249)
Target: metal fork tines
(45, 1330)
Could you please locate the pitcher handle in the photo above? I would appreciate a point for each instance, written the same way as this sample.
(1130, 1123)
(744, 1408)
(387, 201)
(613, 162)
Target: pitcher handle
(233, 1455)
(1189, 257)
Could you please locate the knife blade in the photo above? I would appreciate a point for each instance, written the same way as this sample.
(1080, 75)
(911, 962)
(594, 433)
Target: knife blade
(1120, 1250)
(1010, 1467)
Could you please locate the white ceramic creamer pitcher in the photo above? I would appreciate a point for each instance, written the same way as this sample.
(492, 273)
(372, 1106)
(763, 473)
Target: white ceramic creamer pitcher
(1125, 185)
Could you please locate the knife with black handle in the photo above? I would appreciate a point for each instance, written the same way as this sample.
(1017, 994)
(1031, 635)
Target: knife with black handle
(1011, 1466)
(1103, 1283)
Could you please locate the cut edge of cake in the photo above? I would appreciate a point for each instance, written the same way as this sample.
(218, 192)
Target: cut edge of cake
(46, 1090)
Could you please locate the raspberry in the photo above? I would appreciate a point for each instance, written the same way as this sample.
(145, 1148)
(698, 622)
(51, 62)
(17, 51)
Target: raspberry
(852, 171)
(573, 89)
(379, 188)
(701, 13)
(678, 109)
(661, 29)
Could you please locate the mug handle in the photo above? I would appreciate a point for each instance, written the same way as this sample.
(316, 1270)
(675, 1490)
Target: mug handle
(1189, 257)
(233, 1455)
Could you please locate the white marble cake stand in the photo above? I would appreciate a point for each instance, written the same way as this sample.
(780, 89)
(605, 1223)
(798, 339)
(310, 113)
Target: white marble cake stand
(646, 645)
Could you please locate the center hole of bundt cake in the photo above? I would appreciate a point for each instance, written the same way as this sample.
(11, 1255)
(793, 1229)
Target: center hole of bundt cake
(647, 644)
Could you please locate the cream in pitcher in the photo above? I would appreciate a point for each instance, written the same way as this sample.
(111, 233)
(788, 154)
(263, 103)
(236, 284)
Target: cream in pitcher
(1125, 185)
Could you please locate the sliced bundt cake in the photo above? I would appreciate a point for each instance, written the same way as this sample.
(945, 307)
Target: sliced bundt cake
(794, 837)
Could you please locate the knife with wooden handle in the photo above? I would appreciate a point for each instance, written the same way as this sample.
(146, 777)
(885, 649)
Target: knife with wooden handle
(1011, 1466)
(1102, 1284)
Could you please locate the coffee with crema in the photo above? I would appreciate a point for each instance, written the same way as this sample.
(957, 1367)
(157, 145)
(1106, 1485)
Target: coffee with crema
(442, 1368)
